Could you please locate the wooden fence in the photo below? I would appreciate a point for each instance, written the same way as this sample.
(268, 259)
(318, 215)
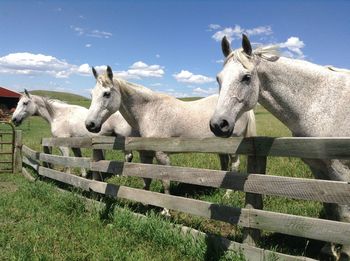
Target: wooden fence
(254, 183)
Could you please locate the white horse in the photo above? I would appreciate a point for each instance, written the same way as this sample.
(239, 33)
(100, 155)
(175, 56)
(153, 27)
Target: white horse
(311, 100)
(156, 115)
(67, 120)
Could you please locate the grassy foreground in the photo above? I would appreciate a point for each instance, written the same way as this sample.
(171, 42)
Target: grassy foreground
(267, 126)
(39, 223)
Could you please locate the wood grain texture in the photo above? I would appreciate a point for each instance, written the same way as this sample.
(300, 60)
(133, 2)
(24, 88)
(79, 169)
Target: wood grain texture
(255, 164)
(82, 162)
(31, 162)
(97, 155)
(28, 152)
(73, 142)
(303, 147)
(297, 188)
(215, 145)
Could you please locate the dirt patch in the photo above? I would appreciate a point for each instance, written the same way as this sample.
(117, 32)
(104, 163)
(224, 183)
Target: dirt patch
(8, 187)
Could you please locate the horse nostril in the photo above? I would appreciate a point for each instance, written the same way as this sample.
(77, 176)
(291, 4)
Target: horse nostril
(92, 125)
(224, 124)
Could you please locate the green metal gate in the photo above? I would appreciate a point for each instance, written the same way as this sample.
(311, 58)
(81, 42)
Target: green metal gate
(7, 147)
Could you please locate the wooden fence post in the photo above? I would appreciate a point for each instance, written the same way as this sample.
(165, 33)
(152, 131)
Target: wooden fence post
(47, 150)
(256, 165)
(97, 154)
(17, 162)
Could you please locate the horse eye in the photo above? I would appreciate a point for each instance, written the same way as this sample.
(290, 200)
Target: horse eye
(106, 94)
(246, 78)
(25, 103)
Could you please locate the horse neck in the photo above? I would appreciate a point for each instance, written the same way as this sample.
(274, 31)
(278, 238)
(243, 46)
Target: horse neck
(134, 101)
(50, 110)
(41, 108)
(288, 88)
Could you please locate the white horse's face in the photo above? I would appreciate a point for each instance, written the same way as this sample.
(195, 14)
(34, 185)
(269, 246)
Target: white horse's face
(25, 108)
(239, 91)
(105, 101)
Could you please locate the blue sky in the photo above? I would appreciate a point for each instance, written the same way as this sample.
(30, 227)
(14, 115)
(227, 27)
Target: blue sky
(168, 46)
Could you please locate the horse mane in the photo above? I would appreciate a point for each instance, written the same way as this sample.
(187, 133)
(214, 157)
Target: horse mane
(48, 103)
(335, 69)
(127, 84)
(269, 53)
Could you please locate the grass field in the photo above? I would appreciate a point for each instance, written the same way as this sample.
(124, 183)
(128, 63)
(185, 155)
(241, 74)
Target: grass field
(143, 241)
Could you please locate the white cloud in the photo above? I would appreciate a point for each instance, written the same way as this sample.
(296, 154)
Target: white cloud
(84, 69)
(237, 31)
(157, 84)
(293, 46)
(138, 70)
(91, 33)
(99, 34)
(260, 30)
(209, 91)
(88, 45)
(34, 64)
(157, 55)
(78, 30)
(213, 27)
(188, 77)
(220, 61)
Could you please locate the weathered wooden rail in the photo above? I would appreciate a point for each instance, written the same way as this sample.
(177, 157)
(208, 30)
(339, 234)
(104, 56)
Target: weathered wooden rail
(254, 183)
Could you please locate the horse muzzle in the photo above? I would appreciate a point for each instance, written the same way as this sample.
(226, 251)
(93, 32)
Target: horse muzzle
(221, 127)
(16, 121)
(92, 127)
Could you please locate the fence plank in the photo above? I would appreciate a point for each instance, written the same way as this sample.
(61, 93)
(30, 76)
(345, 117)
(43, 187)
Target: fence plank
(28, 152)
(196, 207)
(97, 155)
(297, 188)
(214, 145)
(319, 229)
(31, 162)
(303, 147)
(325, 230)
(255, 164)
(82, 162)
(65, 178)
(73, 142)
(47, 150)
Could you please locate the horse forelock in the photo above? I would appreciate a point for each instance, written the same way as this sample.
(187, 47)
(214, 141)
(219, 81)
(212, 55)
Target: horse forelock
(104, 80)
(268, 53)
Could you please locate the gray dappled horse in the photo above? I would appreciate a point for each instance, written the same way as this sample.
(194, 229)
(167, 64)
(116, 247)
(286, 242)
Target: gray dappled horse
(157, 115)
(68, 120)
(311, 100)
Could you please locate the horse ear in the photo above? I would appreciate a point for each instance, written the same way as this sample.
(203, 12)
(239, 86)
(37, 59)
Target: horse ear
(247, 48)
(109, 73)
(26, 93)
(94, 72)
(225, 46)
